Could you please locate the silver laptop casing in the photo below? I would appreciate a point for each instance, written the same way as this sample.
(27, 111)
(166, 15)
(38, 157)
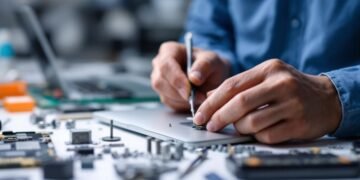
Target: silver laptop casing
(163, 124)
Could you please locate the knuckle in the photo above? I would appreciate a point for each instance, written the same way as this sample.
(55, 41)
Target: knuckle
(286, 83)
(229, 85)
(156, 83)
(251, 121)
(298, 104)
(211, 56)
(168, 45)
(220, 118)
(273, 65)
(176, 80)
(265, 137)
(164, 66)
(241, 100)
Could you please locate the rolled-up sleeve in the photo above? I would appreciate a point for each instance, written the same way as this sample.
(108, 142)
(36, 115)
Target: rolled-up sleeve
(347, 83)
(211, 25)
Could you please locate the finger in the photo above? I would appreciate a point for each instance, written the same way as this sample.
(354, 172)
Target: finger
(162, 87)
(226, 91)
(204, 65)
(171, 71)
(209, 93)
(242, 104)
(275, 134)
(173, 49)
(174, 104)
(262, 118)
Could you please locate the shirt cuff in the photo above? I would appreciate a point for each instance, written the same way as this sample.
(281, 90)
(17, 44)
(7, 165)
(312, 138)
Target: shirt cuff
(348, 126)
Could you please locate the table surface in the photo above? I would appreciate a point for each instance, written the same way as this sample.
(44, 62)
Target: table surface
(104, 168)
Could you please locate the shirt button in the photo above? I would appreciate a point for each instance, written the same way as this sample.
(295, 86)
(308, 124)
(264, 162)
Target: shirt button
(295, 23)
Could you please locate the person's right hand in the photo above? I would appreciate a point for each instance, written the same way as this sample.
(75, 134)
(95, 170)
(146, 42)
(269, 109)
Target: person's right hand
(170, 81)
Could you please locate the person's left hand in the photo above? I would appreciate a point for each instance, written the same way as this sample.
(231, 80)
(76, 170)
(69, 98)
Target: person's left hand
(275, 103)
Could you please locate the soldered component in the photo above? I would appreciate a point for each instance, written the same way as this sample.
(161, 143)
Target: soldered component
(80, 136)
(142, 168)
(85, 151)
(70, 124)
(149, 145)
(165, 150)
(24, 149)
(179, 151)
(158, 146)
(58, 169)
(111, 138)
(87, 163)
(293, 166)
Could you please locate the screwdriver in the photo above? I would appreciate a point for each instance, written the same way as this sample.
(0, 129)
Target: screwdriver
(189, 55)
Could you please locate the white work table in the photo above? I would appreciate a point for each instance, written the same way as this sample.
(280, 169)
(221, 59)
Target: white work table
(104, 167)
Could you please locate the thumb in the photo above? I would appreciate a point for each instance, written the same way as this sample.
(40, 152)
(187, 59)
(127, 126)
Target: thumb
(204, 65)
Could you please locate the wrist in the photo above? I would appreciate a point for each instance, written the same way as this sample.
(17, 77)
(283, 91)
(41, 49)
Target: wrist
(334, 105)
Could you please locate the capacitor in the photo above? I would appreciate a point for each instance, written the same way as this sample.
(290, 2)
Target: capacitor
(165, 150)
(157, 146)
(179, 151)
(148, 144)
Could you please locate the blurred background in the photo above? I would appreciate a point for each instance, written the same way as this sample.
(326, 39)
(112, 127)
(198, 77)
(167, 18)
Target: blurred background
(123, 33)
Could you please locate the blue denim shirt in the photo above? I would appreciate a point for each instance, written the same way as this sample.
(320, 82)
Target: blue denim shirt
(314, 36)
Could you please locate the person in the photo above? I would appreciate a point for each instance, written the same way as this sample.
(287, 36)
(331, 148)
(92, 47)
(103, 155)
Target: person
(278, 70)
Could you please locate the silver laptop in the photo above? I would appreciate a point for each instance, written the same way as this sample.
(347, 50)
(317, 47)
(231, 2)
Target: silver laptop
(163, 124)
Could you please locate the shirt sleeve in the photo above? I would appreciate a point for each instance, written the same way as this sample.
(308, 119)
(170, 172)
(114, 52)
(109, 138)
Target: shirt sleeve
(212, 29)
(347, 84)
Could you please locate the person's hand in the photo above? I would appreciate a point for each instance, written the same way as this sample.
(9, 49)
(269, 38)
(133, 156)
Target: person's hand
(170, 81)
(275, 103)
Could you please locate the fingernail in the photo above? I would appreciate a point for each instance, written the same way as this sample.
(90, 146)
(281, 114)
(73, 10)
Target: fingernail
(184, 93)
(199, 118)
(211, 126)
(197, 75)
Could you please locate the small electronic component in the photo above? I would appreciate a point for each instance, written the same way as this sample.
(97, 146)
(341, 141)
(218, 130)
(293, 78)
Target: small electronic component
(70, 124)
(149, 145)
(212, 176)
(17, 88)
(179, 151)
(27, 145)
(141, 168)
(58, 169)
(158, 146)
(25, 149)
(85, 151)
(19, 104)
(111, 138)
(80, 136)
(55, 124)
(165, 150)
(87, 163)
(290, 166)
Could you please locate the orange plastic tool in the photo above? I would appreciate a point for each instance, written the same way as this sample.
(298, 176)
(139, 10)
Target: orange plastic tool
(19, 104)
(17, 88)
